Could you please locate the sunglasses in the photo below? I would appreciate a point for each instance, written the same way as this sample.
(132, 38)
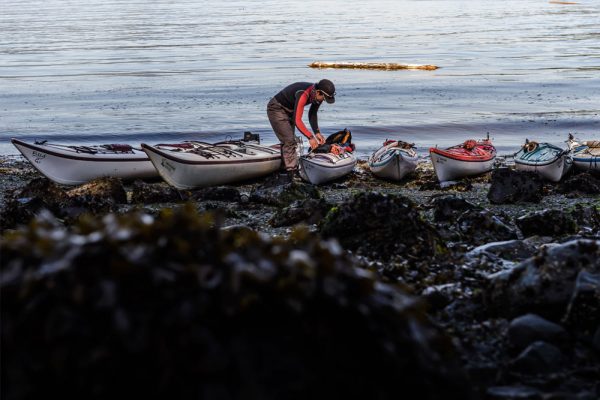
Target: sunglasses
(325, 94)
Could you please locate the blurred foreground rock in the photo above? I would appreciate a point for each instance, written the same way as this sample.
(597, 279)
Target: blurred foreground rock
(174, 307)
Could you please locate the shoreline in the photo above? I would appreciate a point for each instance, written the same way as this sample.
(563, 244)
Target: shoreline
(451, 250)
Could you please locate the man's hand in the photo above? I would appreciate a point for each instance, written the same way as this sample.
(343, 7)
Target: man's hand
(320, 138)
(312, 141)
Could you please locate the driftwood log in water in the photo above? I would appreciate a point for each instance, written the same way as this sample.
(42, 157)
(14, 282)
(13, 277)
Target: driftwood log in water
(361, 65)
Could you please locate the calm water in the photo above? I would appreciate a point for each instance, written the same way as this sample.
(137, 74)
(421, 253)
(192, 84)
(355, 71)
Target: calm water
(138, 71)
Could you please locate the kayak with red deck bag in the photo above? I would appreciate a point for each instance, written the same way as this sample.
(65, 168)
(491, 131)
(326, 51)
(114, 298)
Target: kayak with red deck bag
(466, 159)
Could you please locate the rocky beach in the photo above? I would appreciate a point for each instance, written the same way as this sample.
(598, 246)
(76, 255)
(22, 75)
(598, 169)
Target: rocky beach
(485, 289)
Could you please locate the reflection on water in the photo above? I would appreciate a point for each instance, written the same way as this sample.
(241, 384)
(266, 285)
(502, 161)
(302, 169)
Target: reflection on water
(135, 71)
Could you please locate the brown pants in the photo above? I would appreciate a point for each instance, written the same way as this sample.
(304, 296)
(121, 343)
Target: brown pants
(281, 122)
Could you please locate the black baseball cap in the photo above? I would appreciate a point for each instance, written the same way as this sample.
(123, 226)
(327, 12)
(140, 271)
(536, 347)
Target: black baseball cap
(328, 89)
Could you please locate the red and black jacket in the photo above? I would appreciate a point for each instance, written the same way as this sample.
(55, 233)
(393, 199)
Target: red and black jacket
(295, 97)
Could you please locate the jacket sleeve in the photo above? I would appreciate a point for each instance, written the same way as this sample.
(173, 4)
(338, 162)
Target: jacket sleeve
(312, 117)
(301, 99)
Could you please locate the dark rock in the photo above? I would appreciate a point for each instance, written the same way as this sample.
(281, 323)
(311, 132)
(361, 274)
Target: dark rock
(449, 208)
(483, 227)
(145, 193)
(22, 210)
(587, 216)
(456, 186)
(44, 189)
(98, 196)
(583, 311)
(274, 192)
(583, 183)
(511, 250)
(37, 195)
(544, 284)
(99, 190)
(220, 193)
(309, 211)
(513, 393)
(511, 186)
(539, 358)
(530, 328)
(547, 222)
(596, 340)
(383, 227)
(175, 307)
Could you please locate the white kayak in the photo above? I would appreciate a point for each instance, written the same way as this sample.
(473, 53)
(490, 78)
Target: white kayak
(549, 161)
(467, 159)
(318, 168)
(586, 155)
(394, 160)
(194, 164)
(75, 165)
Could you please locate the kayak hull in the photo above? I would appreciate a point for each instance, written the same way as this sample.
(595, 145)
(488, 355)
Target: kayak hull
(207, 164)
(318, 168)
(459, 161)
(393, 162)
(586, 158)
(548, 161)
(75, 165)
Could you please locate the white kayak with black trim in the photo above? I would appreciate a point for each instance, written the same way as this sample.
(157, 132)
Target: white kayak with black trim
(195, 164)
(75, 165)
(394, 160)
(318, 168)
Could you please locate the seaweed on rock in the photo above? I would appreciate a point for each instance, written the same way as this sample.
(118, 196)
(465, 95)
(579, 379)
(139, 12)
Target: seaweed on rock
(383, 227)
(174, 306)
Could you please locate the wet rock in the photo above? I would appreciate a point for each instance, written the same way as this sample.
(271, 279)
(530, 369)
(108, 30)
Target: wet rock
(173, 306)
(539, 358)
(582, 183)
(42, 188)
(530, 328)
(511, 250)
(383, 227)
(544, 284)
(583, 311)
(587, 217)
(482, 227)
(311, 211)
(547, 222)
(281, 194)
(512, 186)
(457, 186)
(219, 193)
(98, 196)
(21, 210)
(449, 208)
(513, 393)
(24, 204)
(102, 189)
(147, 193)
